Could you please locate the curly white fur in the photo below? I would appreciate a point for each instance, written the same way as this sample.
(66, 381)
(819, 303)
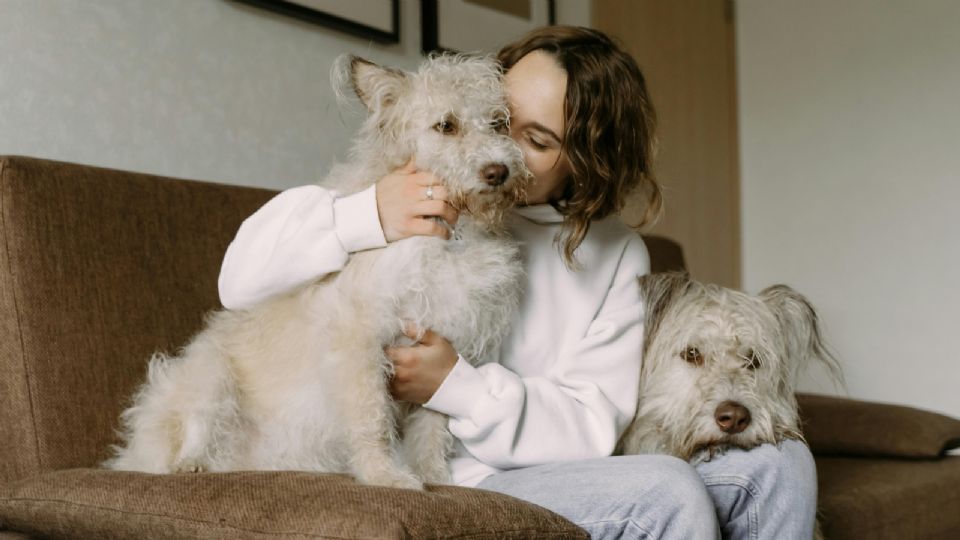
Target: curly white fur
(707, 345)
(300, 381)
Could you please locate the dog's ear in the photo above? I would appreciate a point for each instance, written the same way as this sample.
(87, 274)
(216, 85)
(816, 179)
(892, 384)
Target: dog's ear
(658, 292)
(377, 87)
(800, 325)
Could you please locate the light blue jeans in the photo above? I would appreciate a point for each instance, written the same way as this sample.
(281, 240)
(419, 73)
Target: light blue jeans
(767, 492)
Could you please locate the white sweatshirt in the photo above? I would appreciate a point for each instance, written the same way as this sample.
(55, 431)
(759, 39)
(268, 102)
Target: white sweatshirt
(566, 385)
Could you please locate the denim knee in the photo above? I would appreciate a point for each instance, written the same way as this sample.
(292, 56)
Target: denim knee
(684, 507)
(788, 468)
(766, 492)
(793, 470)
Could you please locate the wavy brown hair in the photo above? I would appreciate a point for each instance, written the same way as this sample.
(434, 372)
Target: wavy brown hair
(609, 128)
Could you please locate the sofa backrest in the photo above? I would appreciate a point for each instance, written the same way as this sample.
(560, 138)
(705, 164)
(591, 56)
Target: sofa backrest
(98, 269)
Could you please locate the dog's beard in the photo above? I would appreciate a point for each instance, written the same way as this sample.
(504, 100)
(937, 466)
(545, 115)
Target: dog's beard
(490, 207)
(707, 449)
(703, 445)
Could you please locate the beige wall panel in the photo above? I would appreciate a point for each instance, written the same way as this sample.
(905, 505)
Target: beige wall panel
(686, 50)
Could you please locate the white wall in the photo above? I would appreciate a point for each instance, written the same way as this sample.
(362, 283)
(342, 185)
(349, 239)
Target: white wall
(201, 89)
(850, 156)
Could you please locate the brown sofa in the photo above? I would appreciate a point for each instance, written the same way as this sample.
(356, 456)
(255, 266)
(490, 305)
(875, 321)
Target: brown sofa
(101, 267)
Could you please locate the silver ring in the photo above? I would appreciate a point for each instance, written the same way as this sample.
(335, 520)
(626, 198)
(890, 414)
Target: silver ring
(429, 193)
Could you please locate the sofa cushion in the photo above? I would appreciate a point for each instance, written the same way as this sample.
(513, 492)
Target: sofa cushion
(93, 503)
(889, 498)
(840, 426)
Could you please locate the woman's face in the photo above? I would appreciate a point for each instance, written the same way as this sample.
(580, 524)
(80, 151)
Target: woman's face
(535, 87)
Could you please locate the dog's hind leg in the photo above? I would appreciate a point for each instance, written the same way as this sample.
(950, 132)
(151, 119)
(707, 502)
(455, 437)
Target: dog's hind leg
(149, 442)
(185, 418)
(427, 445)
(207, 412)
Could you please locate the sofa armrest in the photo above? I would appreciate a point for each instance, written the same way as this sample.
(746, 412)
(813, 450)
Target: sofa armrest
(841, 426)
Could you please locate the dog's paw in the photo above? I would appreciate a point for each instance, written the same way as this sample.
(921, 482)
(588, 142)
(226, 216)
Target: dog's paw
(433, 473)
(188, 466)
(437, 477)
(392, 478)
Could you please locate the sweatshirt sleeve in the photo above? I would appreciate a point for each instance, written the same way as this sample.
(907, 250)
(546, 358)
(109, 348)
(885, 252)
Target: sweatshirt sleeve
(578, 410)
(300, 235)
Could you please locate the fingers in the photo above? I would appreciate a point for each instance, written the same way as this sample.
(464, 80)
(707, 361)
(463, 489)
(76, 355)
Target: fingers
(420, 178)
(440, 209)
(406, 363)
(404, 208)
(420, 184)
(404, 360)
(427, 227)
(411, 331)
(429, 337)
(427, 178)
(401, 356)
(417, 180)
(420, 369)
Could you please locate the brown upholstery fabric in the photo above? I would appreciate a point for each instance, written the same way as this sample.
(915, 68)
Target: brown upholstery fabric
(6, 535)
(86, 503)
(840, 426)
(889, 499)
(100, 268)
(665, 254)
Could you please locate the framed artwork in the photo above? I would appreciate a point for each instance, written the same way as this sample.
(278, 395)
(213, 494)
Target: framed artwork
(376, 20)
(480, 25)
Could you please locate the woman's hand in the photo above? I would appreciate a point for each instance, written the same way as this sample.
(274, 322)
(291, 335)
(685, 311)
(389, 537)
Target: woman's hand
(404, 206)
(420, 368)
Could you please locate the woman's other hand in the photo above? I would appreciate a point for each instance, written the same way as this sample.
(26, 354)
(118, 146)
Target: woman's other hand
(407, 198)
(419, 369)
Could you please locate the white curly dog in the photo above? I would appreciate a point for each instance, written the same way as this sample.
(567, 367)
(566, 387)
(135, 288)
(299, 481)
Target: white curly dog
(720, 367)
(300, 381)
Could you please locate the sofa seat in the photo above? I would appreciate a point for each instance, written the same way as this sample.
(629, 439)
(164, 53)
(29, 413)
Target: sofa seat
(889, 498)
(95, 503)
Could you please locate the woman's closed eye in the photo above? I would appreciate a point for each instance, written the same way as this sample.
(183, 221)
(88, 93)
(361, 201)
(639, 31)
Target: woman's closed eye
(537, 143)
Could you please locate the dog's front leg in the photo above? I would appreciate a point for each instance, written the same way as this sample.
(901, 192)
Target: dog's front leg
(427, 444)
(370, 416)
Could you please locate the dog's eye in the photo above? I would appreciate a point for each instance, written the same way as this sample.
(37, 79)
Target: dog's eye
(446, 127)
(753, 360)
(692, 355)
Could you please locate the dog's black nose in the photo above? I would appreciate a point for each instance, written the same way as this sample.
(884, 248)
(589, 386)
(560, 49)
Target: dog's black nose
(495, 174)
(732, 417)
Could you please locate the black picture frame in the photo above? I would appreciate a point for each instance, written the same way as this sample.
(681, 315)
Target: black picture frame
(329, 20)
(430, 20)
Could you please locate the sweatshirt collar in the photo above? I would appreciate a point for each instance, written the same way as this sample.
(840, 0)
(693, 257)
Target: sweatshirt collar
(540, 213)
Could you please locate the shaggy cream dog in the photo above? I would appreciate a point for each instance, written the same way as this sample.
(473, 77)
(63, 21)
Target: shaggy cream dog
(300, 381)
(720, 366)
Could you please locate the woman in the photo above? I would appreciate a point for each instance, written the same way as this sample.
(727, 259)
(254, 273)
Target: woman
(541, 424)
